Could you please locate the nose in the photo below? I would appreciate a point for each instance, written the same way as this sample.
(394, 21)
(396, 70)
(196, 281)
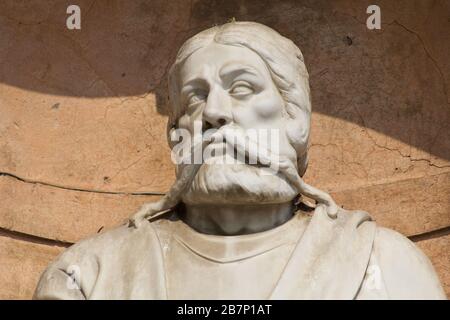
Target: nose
(217, 112)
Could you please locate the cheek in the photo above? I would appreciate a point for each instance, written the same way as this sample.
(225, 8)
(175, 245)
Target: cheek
(268, 104)
(264, 110)
(185, 122)
(190, 119)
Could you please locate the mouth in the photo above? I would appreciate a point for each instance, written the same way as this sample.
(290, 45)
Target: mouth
(222, 153)
(228, 154)
(231, 145)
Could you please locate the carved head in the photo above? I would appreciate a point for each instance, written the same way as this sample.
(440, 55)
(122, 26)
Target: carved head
(249, 75)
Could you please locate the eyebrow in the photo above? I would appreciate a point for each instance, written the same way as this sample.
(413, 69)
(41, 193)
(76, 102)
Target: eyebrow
(233, 70)
(228, 72)
(193, 83)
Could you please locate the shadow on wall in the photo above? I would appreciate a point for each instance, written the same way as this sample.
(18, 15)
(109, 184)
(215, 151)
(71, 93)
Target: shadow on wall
(393, 80)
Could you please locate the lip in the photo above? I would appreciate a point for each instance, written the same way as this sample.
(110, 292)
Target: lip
(223, 153)
(218, 150)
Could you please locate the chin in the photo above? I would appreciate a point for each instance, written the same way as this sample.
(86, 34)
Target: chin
(238, 184)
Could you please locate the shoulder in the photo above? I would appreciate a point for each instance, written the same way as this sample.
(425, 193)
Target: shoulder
(109, 241)
(406, 271)
(112, 249)
(113, 242)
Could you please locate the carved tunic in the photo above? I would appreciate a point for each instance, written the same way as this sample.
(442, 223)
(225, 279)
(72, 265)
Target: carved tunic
(308, 257)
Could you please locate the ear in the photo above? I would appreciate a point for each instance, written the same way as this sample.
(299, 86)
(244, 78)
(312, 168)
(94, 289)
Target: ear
(297, 129)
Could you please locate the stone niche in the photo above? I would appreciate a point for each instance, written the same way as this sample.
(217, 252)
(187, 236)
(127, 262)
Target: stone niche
(83, 115)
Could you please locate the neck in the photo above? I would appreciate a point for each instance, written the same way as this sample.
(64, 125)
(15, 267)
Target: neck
(235, 219)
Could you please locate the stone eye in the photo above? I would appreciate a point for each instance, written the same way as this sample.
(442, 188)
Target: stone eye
(241, 88)
(196, 97)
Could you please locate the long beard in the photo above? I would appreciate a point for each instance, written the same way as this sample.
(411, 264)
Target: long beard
(239, 184)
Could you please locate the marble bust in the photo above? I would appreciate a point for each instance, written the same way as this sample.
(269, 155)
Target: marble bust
(236, 229)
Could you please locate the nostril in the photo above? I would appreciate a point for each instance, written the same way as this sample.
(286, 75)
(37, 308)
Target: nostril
(221, 121)
(206, 126)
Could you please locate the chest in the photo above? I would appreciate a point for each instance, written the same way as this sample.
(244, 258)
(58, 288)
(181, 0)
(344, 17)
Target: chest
(197, 275)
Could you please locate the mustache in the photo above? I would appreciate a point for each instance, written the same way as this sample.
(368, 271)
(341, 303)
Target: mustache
(232, 144)
(232, 134)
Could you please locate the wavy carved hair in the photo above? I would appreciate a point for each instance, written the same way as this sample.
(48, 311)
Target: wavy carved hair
(284, 61)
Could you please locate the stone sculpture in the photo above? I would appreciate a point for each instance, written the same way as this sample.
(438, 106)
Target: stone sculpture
(234, 229)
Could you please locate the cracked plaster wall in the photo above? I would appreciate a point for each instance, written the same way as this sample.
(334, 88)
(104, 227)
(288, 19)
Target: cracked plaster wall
(82, 115)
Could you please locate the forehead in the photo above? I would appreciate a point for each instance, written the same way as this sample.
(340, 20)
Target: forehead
(214, 58)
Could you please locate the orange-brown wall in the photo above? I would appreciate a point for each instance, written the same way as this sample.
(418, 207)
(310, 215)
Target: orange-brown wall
(83, 115)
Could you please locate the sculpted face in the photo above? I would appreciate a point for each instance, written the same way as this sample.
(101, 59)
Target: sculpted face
(222, 84)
